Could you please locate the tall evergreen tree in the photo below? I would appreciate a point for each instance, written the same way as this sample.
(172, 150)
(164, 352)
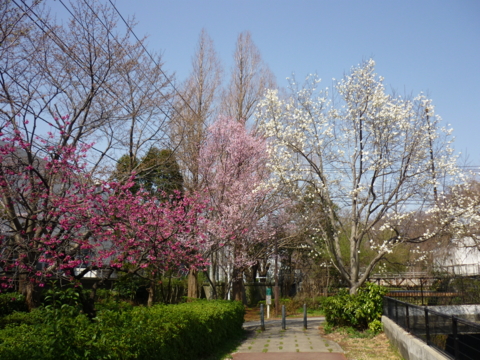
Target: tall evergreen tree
(159, 171)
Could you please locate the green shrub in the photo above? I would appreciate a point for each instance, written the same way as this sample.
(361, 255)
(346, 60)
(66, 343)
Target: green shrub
(56, 298)
(357, 310)
(171, 332)
(10, 302)
(375, 326)
(314, 305)
(36, 316)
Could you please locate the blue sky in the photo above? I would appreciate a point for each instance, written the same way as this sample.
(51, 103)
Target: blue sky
(422, 45)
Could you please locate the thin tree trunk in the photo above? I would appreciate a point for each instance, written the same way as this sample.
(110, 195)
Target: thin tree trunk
(169, 289)
(277, 292)
(237, 286)
(192, 284)
(88, 305)
(213, 287)
(27, 289)
(151, 293)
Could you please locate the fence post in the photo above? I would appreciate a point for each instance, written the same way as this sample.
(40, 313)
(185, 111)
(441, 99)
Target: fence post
(421, 289)
(396, 312)
(388, 306)
(427, 327)
(305, 316)
(284, 321)
(262, 318)
(407, 319)
(455, 337)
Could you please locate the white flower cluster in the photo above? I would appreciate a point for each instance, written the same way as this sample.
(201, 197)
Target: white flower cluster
(375, 161)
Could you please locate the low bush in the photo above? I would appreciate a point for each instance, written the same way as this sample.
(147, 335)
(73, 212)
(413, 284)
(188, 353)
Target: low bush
(361, 311)
(110, 300)
(10, 302)
(36, 316)
(184, 331)
(313, 304)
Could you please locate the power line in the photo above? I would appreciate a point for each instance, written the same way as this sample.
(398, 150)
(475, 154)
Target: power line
(151, 57)
(61, 44)
(39, 117)
(63, 47)
(147, 52)
(122, 47)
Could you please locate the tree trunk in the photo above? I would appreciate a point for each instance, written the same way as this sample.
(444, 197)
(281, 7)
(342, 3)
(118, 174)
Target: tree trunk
(237, 290)
(251, 273)
(328, 281)
(151, 293)
(212, 277)
(263, 271)
(192, 291)
(29, 290)
(88, 303)
(353, 289)
(213, 286)
(277, 292)
(168, 299)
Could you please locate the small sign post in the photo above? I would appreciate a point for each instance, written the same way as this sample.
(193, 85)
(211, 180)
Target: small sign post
(269, 301)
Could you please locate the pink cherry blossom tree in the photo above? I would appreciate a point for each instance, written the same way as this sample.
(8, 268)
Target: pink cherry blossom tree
(144, 236)
(56, 222)
(234, 175)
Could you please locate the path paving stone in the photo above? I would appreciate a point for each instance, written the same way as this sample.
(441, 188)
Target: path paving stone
(292, 344)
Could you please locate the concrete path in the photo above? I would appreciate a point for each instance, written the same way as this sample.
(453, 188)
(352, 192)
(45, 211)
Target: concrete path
(294, 343)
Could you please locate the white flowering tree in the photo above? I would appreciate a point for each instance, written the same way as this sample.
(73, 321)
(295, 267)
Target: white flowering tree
(374, 167)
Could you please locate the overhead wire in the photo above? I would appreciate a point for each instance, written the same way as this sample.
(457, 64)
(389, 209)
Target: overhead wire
(122, 47)
(151, 57)
(64, 47)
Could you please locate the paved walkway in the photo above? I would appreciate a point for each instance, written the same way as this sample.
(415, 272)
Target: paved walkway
(294, 343)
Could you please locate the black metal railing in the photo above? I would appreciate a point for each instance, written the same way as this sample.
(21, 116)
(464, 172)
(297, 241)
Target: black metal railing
(433, 298)
(455, 337)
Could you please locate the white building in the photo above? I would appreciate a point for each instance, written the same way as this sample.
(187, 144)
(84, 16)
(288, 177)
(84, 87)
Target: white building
(461, 258)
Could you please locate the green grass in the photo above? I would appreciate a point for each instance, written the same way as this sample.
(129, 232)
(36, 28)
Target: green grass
(311, 312)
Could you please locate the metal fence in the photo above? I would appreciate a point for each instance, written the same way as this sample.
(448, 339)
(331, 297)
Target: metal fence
(455, 337)
(432, 298)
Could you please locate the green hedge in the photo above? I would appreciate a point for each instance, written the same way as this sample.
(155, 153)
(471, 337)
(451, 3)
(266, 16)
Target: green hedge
(10, 302)
(361, 311)
(184, 331)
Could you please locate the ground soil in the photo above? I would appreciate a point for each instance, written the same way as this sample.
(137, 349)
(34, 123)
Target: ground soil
(374, 348)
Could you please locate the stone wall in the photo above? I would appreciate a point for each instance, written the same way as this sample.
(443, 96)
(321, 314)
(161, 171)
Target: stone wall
(409, 346)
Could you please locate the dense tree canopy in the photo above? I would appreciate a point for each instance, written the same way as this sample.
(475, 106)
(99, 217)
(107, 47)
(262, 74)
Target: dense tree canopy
(376, 166)
(57, 222)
